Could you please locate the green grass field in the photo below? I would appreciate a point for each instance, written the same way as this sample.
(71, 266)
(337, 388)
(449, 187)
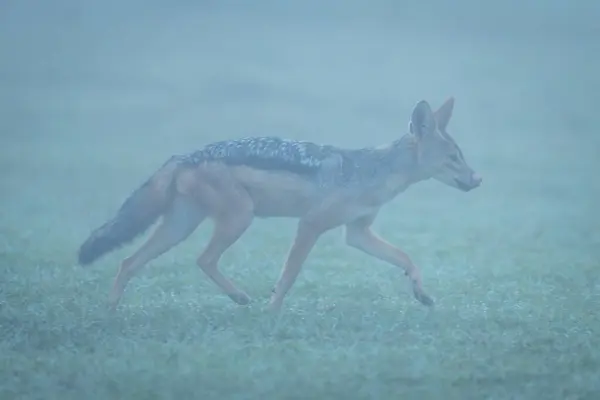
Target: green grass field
(93, 102)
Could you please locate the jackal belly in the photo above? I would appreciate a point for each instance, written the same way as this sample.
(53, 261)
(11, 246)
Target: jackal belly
(278, 193)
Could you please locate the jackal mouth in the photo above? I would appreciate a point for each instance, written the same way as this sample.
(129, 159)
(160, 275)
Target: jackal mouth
(463, 186)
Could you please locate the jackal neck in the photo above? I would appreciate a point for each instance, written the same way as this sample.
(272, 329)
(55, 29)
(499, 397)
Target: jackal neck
(404, 152)
(369, 164)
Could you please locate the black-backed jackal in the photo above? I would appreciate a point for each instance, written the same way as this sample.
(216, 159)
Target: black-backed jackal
(323, 186)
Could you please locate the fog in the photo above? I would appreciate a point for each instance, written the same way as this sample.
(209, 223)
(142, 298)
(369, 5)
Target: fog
(95, 96)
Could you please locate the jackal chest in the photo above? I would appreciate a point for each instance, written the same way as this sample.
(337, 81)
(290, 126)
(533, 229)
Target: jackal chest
(379, 194)
(343, 206)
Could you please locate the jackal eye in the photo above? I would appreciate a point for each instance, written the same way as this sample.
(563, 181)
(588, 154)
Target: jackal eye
(454, 158)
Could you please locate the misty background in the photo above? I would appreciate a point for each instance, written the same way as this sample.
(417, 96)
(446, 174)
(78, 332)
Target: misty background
(91, 83)
(96, 95)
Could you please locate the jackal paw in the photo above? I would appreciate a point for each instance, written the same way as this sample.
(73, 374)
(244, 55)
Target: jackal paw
(111, 309)
(113, 302)
(275, 304)
(423, 297)
(240, 298)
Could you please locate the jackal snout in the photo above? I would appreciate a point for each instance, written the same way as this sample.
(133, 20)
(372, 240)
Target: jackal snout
(473, 182)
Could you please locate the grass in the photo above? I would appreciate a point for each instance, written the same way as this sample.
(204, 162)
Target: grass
(349, 329)
(513, 266)
(502, 327)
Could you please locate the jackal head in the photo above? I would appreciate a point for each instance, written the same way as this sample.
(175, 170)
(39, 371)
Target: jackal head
(439, 155)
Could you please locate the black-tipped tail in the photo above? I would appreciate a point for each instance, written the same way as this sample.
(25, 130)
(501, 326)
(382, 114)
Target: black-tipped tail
(135, 216)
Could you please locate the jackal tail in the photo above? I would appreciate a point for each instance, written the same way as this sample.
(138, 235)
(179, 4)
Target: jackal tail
(143, 207)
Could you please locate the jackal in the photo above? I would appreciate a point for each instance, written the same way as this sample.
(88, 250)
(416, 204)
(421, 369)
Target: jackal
(323, 186)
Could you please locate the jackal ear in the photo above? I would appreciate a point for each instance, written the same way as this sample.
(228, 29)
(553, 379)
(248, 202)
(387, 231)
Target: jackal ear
(422, 121)
(444, 113)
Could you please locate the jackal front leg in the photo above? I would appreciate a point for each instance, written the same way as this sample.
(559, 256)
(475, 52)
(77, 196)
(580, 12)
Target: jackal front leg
(360, 236)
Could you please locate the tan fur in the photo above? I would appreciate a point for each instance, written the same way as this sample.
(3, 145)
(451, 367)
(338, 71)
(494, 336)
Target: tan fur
(233, 195)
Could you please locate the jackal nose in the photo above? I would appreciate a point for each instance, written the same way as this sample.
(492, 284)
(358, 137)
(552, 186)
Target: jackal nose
(476, 178)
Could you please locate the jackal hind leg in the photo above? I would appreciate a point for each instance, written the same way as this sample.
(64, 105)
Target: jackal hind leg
(177, 224)
(306, 238)
(228, 228)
